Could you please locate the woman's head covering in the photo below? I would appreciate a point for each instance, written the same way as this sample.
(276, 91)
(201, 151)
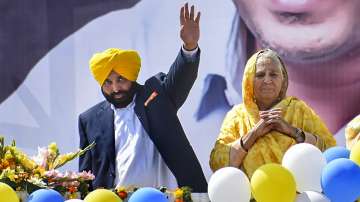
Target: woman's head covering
(248, 81)
(126, 63)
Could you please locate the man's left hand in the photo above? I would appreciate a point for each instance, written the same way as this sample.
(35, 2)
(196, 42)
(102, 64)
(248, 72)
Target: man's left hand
(190, 29)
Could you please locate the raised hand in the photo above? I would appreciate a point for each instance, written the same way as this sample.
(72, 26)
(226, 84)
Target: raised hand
(190, 29)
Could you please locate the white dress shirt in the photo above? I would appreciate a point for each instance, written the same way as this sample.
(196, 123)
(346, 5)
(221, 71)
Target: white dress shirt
(138, 162)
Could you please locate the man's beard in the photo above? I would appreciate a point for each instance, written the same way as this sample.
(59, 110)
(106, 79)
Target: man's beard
(127, 97)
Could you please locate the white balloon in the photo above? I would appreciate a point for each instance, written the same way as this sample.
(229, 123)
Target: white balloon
(311, 196)
(306, 163)
(74, 200)
(229, 184)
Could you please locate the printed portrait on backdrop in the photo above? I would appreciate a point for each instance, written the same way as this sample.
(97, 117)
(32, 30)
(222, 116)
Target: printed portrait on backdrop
(45, 80)
(319, 41)
(45, 92)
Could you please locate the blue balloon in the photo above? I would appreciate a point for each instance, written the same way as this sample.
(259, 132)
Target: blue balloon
(336, 153)
(45, 195)
(340, 180)
(148, 194)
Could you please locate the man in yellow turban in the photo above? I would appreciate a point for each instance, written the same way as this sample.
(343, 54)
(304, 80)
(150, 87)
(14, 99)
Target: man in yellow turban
(139, 139)
(118, 66)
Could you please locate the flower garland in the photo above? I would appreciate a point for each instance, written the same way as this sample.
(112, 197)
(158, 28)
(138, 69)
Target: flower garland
(24, 173)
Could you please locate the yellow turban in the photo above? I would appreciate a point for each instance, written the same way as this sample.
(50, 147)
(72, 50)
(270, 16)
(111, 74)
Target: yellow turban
(124, 62)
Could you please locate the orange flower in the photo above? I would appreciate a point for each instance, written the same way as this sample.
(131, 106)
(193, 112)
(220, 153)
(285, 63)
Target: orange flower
(179, 200)
(72, 189)
(5, 164)
(122, 194)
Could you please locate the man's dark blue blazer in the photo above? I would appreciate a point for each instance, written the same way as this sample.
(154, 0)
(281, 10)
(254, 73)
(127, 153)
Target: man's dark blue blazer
(159, 119)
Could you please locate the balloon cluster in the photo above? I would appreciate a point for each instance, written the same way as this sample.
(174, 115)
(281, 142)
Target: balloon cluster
(42, 195)
(318, 177)
(146, 194)
(99, 195)
(341, 176)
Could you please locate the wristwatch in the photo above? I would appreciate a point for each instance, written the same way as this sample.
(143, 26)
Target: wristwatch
(299, 135)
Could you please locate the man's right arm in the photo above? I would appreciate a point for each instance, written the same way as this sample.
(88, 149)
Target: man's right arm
(183, 71)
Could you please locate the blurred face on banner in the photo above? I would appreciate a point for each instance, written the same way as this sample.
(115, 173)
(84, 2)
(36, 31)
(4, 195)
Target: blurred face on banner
(303, 30)
(319, 41)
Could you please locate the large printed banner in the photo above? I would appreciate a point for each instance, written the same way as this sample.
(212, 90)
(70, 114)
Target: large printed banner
(45, 46)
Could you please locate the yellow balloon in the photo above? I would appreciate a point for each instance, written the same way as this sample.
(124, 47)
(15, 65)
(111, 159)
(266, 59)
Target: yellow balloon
(355, 153)
(273, 183)
(102, 195)
(7, 194)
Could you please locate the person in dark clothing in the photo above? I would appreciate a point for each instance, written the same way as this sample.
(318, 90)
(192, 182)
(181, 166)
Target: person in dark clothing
(139, 138)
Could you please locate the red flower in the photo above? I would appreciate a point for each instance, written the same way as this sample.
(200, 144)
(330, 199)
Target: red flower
(122, 194)
(72, 189)
(179, 200)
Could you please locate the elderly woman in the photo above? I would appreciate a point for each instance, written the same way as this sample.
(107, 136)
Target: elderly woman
(260, 130)
(352, 132)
